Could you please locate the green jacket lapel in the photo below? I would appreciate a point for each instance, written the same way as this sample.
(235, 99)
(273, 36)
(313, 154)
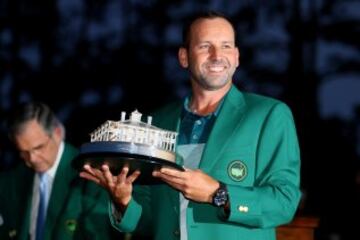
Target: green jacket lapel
(227, 120)
(65, 174)
(169, 118)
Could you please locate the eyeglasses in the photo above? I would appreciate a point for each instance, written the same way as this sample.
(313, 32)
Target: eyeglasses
(37, 149)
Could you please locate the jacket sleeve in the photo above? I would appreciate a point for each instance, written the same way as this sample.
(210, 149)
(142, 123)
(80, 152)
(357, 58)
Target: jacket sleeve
(137, 215)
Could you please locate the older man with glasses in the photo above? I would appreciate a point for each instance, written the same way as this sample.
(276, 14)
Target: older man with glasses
(44, 198)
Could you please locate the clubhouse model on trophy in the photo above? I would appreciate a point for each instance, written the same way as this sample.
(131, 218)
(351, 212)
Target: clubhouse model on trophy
(131, 142)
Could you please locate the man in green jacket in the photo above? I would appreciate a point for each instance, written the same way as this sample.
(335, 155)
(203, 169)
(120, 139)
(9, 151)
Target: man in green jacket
(239, 150)
(73, 208)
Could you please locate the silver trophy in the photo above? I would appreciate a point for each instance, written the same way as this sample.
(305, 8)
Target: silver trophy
(131, 142)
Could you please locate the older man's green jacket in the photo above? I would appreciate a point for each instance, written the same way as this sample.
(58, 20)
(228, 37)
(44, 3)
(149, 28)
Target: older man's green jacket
(77, 208)
(253, 149)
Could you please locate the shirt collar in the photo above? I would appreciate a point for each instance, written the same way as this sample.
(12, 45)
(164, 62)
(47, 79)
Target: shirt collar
(52, 171)
(187, 108)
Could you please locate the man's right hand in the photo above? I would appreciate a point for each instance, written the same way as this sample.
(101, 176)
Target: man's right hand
(120, 187)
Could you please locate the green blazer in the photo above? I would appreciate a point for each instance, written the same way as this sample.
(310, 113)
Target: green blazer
(77, 209)
(253, 149)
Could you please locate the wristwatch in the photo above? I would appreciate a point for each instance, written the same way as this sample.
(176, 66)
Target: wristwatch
(221, 196)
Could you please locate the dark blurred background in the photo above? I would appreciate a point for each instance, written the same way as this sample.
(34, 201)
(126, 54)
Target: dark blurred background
(91, 59)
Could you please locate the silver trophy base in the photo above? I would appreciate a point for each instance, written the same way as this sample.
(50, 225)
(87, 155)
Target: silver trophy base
(118, 154)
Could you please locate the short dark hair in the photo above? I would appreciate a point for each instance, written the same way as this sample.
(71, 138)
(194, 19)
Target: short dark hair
(29, 111)
(201, 15)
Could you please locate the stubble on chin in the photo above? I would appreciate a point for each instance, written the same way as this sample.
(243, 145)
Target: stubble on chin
(213, 83)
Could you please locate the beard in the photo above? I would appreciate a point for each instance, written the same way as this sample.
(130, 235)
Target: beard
(212, 80)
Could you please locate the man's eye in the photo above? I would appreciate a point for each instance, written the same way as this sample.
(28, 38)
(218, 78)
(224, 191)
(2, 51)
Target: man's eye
(204, 46)
(38, 147)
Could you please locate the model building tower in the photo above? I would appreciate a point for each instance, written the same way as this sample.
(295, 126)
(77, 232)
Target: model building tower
(138, 137)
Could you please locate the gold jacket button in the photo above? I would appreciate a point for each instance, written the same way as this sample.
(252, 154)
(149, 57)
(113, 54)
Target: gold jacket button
(12, 233)
(243, 209)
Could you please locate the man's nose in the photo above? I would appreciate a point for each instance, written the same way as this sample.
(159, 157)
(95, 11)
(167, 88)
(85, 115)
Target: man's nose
(32, 156)
(215, 53)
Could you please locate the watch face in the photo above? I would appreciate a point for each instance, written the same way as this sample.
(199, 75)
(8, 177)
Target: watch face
(220, 197)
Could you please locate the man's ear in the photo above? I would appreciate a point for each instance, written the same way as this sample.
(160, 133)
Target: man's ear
(238, 57)
(59, 133)
(183, 57)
